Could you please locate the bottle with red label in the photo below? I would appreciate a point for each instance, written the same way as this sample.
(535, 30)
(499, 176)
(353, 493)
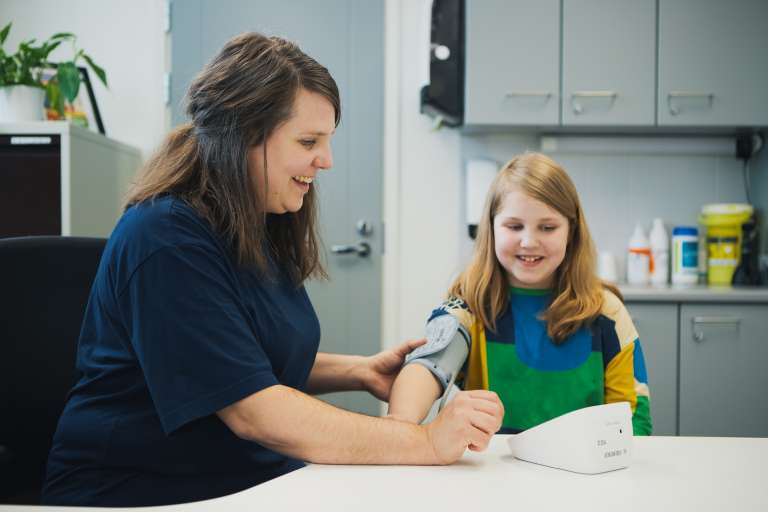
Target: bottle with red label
(639, 258)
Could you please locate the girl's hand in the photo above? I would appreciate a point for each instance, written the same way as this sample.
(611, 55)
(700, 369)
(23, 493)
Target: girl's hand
(380, 370)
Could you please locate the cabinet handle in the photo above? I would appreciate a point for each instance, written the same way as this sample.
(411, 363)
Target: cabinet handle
(698, 335)
(515, 94)
(578, 108)
(686, 94)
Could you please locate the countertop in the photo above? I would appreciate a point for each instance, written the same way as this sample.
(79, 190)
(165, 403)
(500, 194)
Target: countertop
(685, 474)
(697, 293)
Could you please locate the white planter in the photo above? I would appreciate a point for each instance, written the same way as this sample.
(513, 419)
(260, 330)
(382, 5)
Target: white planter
(21, 103)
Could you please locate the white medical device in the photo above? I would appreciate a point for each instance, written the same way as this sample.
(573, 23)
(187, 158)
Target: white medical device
(590, 440)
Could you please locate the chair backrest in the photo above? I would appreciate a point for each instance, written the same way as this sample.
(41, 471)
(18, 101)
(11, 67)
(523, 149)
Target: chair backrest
(44, 287)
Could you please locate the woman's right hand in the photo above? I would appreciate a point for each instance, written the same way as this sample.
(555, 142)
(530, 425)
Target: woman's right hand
(468, 421)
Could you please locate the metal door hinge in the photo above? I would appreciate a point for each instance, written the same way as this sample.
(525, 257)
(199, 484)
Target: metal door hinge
(167, 17)
(166, 89)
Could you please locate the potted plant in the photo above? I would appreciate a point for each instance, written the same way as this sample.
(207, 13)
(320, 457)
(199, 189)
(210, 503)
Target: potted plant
(24, 84)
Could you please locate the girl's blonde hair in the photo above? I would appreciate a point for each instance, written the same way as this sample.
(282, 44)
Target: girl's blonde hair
(577, 291)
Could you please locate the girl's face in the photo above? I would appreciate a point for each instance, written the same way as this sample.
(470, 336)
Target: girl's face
(530, 240)
(296, 151)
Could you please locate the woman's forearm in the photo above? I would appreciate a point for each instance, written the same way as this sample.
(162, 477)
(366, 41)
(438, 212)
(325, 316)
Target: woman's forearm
(295, 424)
(335, 372)
(298, 425)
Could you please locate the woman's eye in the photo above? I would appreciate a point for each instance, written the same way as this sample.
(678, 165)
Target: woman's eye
(548, 228)
(515, 227)
(308, 143)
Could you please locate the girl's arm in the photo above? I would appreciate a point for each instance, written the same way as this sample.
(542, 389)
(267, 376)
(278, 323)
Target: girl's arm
(413, 393)
(626, 378)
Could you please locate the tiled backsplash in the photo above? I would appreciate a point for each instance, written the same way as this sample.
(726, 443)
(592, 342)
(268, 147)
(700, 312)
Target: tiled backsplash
(618, 190)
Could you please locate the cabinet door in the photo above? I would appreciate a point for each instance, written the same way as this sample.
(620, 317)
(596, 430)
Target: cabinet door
(723, 372)
(512, 62)
(713, 63)
(609, 62)
(656, 325)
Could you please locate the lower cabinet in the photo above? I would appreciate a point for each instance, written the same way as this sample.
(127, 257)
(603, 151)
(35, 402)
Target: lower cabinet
(656, 324)
(724, 370)
(707, 367)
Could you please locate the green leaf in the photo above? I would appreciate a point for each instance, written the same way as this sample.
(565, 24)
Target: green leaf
(96, 69)
(4, 32)
(69, 80)
(48, 48)
(61, 35)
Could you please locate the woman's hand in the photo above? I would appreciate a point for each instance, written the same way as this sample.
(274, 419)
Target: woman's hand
(380, 370)
(468, 421)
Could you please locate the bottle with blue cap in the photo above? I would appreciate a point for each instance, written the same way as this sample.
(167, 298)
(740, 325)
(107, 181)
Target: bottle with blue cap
(685, 255)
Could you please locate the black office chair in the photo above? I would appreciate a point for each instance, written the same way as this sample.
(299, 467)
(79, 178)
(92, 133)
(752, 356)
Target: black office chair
(44, 286)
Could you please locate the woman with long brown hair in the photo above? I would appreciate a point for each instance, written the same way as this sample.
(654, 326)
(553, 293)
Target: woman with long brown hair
(198, 351)
(546, 333)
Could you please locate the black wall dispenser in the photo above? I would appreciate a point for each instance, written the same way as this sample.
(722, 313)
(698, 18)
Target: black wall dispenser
(443, 97)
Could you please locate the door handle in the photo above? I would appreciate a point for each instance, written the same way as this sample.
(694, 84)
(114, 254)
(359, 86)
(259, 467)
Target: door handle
(578, 108)
(362, 249)
(675, 109)
(698, 335)
(528, 94)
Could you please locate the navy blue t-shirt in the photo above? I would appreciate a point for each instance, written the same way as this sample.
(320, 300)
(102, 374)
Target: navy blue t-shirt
(174, 331)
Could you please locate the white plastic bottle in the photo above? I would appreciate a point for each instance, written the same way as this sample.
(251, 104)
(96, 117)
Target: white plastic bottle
(659, 253)
(685, 252)
(638, 257)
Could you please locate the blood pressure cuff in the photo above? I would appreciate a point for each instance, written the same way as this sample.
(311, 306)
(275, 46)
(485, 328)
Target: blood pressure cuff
(446, 349)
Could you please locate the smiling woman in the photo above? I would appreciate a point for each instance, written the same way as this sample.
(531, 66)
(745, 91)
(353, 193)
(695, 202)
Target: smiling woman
(199, 346)
(298, 149)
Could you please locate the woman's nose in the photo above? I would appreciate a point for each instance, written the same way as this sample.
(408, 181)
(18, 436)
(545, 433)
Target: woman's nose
(324, 160)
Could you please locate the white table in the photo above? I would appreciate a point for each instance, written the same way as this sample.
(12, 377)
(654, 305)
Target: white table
(694, 474)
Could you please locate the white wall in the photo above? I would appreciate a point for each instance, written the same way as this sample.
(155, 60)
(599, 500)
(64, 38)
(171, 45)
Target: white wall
(422, 179)
(126, 38)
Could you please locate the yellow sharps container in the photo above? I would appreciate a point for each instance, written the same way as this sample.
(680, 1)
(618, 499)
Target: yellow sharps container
(723, 223)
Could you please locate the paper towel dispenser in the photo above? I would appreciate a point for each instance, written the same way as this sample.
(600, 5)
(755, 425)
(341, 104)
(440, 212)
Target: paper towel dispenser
(443, 97)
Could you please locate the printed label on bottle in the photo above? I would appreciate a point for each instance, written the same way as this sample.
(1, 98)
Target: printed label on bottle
(690, 255)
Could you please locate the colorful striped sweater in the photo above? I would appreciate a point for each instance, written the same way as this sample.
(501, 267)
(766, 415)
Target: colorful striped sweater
(538, 380)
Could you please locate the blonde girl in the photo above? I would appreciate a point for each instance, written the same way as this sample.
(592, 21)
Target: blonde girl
(547, 335)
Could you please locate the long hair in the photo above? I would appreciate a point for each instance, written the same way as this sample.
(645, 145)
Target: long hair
(577, 291)
(234, 104)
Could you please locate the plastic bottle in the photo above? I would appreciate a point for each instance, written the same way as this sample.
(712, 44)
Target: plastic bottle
(638, 257)
(685, 255)
(659, 253)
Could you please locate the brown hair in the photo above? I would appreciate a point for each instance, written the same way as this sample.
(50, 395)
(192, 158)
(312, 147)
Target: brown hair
(234, 104)
(578, 293)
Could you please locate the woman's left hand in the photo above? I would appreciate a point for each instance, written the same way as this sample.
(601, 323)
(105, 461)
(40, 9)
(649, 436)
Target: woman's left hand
(381, 369)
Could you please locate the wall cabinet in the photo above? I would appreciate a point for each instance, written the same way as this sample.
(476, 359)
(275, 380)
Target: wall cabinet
(713, 67)
(706, 367)
(604, 63)
(512, 62)
(609, 62)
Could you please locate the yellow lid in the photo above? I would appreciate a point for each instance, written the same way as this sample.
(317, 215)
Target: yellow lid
(727, 209)
(725, 214)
